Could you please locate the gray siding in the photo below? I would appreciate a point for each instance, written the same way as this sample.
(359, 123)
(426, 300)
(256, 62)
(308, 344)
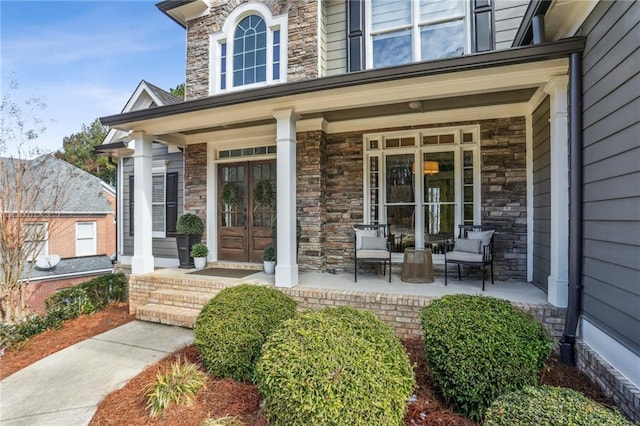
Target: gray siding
(322, 37)
(162, 247)
(508, 16)
(541, 195)
(611, 78)
(336, 37)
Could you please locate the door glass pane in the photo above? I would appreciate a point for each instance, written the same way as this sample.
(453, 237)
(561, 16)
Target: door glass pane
(264, 194)
(439, 196)
(232, 197)
(400, 188)
(399, 175)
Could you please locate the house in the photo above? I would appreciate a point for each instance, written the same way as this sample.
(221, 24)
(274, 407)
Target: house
(521, 115)
(78, 226)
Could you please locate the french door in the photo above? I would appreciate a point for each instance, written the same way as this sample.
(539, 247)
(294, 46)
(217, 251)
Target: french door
(246, 209)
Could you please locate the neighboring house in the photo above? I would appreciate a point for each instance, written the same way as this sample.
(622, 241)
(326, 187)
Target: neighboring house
(81, 229)
(535, 135)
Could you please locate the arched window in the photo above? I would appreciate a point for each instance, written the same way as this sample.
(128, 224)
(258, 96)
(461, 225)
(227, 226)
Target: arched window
(250, 50)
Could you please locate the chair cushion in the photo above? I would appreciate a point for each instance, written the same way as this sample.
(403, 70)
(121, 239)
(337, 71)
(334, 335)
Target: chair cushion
(485, 236)
(462, 256)
(371, 233)
(373, 243)
(372, 254)
(467, 245)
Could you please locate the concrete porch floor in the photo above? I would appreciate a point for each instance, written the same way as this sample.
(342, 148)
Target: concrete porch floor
(369, 282)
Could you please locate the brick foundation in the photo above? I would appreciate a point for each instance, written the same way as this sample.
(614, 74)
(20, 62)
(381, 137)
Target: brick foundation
(39, 291)
(616, 386)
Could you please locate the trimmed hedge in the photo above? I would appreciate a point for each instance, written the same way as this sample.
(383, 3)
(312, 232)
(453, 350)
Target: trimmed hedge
(338, 366)
(231, 328)
(478, 348)
(548, 405)
(85, 298)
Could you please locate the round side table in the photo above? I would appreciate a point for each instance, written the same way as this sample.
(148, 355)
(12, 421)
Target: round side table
(417, 266)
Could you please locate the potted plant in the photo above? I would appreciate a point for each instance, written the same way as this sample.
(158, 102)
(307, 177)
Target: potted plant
(199, 253)
(269, 259)
(188, 233)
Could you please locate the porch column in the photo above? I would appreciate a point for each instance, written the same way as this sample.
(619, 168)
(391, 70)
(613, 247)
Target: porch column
(558, 283)
(286, 266)
(142, 260)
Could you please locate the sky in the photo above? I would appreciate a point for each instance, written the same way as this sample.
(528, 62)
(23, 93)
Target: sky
(84, 59)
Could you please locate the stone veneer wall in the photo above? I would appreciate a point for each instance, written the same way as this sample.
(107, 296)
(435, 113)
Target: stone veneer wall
(302, 41)
(503, 187)
(311, 201)
(616, 386)
(195, 181)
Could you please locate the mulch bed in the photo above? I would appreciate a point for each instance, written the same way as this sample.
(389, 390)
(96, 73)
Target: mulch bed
(223, 397)
(71, 332)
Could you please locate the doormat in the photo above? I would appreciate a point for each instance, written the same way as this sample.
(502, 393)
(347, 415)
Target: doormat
(225, 272)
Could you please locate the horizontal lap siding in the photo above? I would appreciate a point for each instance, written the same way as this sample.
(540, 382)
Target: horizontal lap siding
(541, 195)
(162, 247)
(508, 16)
(336, 36)
(611, 79)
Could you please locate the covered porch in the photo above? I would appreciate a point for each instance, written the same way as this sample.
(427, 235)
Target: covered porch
(175, 296)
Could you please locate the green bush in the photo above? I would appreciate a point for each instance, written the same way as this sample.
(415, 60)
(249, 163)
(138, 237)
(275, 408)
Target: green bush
(189, 223)
(338, 366)
(478, 348)
(231, 328)
(199, 250)
(548, 406)
(85, 298)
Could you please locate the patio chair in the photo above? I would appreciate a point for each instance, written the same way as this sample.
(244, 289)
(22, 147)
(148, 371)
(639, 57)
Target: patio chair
(371, 244)
(473, 247)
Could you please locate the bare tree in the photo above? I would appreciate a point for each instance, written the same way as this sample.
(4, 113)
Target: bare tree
(32, 198)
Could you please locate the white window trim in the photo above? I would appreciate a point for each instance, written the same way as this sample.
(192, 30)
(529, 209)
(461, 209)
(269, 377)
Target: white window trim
(457, 148)
(160, 169)
(414, 26)
(94, 238)
(45, 250)
(226, 36)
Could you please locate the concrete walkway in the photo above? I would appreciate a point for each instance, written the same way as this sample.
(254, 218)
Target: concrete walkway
(66, 387)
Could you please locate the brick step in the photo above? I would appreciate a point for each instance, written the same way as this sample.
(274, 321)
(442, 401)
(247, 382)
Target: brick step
(182, 298)
(197, 284)
(170, 315)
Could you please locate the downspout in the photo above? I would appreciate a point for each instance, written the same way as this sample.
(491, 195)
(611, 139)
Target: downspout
(115, 164)
(567, 342)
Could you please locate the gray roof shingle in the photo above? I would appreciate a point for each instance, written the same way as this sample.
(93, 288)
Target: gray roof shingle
(165, 97)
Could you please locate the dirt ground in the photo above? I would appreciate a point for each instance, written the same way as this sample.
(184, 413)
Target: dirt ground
(223, 397)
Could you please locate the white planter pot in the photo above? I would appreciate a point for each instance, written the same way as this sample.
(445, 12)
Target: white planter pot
(269, 267)
(200, 262)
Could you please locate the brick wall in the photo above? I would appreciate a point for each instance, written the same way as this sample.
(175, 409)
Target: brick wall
(616, 386)
(37, 292)
(302, 43)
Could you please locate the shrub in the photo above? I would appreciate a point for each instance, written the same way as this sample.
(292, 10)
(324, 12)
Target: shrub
(189, 223)
(269, 254)
(338, 366)
(478, 348)
(547, 405)
(231, 328)
(199, 250)
(85, 298)
(179, 386)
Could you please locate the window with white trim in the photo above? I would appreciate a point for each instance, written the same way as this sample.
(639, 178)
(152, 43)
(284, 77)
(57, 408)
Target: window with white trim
(36, 239)
(404, 31)
(423, 183)
(250, 51)
(86, 239)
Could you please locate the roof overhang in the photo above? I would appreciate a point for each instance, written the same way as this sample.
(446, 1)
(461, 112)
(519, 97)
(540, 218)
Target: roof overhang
(182, 11)
(464, 77)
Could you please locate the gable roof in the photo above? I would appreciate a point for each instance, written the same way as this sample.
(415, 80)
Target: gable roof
(145, 96)
(84, 193)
